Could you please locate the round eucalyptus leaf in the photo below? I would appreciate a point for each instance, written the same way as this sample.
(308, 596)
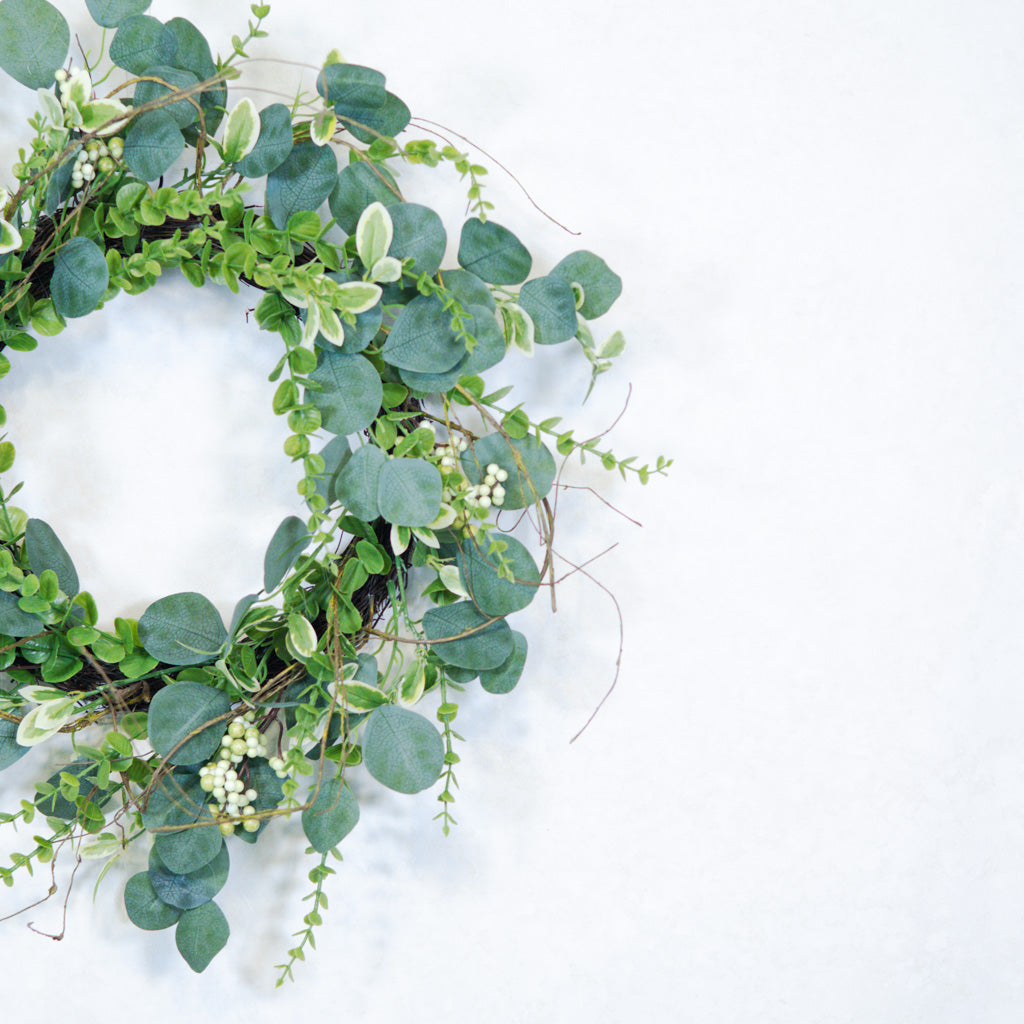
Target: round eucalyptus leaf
(418, 233)
(182, 629)
(460, 635)
(176, 800)
(110, 13)
(144, 907)
(142, 42)
(45, 551)
(190, 849)
(469, 289)
(193, 54)
(503, 679)
(601, 285)
(409, 492)
(34, 40)
(331, 816)
(356, 485)
(350, 392)
(424, 384)
(493, 253)
(422, 339)
(359, 334)
(201, 934)
(10, 749)
(552, 306)
(530, 467)
(389, 119)
(80, 277)
(178, 717)
(15, 622)
(351, 85)
(357, 186)
(335, 454)
(56, 805)
(302, 182)
(486, 577)
(190, 889)
(490, 347)
(152, 143)
(273, 144)
(401, 749)
(288, 542)
(183, 111)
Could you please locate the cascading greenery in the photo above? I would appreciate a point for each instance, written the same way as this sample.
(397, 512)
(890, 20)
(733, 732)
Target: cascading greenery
(179, 727)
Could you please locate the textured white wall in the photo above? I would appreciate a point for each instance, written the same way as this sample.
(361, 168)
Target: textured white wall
(803, 802)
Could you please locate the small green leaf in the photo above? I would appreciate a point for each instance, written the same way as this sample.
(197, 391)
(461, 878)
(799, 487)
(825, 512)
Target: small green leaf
(241, 131)
(422, 339)
(45, 551)
(194, 888)
(190, 849)
(503, 679)
(350, 392)
(601, 286)
(273, 143)
(153, 142)
(302, 182)
(356, 485)
(142, 42)
(499, 583)
(373, 234)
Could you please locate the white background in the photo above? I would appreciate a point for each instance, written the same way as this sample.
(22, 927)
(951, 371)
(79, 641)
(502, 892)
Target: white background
(802, 803)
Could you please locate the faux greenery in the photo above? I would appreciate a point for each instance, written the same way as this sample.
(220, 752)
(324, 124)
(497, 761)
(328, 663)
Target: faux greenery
(182, 730)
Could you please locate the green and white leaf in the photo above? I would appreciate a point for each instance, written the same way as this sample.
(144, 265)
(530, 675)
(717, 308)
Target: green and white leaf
(10, 237)
(241, 131)
(519, 327)
(373, 234)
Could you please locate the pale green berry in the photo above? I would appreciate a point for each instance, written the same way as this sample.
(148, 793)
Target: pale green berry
(238, 747)
(207, 784)
(236, 729)
(251, 825)
(227, 827)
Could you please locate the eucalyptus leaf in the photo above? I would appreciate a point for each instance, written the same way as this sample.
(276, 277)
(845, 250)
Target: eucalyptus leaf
(504, 678)
(201, 934)
(418, 234)
(187, 890)
(486, 576)
(190, 849)
(422, 339)
(550, 303)
(493, 253)
(110, 13)
(15, 622)
(144, 907)
(350, 392)
(409, 492)
(184, 111)
(357, 484)
(142, 42)
(10, 749)
(601, 285)
(193, 54)
(469, 289)
(45, 551)
(387, 120)
(490, 348)
(461, 635)
(357, 186)
(331, 816)
(178, 717)
(152, 143)
(176, 800)
(288, 542)
(353, 90)
(34, 40)
(335, 454)
(273, 144)
(401, 749)
(302, 182)
(80, 277)
(182, 629)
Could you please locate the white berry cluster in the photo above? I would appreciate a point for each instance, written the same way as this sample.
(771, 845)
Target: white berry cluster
(97, 158)
(483, 495)
(232, 799)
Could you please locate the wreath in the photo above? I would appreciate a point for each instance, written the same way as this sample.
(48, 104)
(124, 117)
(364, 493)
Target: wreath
(180, 729)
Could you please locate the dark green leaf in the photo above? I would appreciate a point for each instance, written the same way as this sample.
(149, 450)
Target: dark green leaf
(182, 629)
(13, 621)
(552, 306)
(485, 645)
(402, 750)
(110, 13)
(146, 909)
(302, 182)
(422, 338)
(153, 142)
(469, 289)
(142, 42)
(45, 551)
(80, 277)
(193, 889)
(273, 145)
(335, 454)
(176, 801)
(190, 849)
(177, 721)
(34, 40)
(418, 233)
(490, 341)
(351, 391)
(387, 120)
(530, 467)
(10, 749)
(409, 492)
(285, 547)
(491, 592)
(193, 54)
(356, 485)
(357, 186)
(503, 679)
(183, 111)
(601, 286)
(331, 816)
(201, 934)
(56, 805)
(354, 90)
(493, 253)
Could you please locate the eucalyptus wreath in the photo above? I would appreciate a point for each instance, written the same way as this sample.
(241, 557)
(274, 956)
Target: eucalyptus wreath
(178, 729)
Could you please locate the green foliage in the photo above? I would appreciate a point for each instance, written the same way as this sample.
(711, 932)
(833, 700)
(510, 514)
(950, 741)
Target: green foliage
(178, 717)
(182, 629)
(34, 40)
(144, 907)
(142, 42)
(504, 678)
(45, 551)
(331, 814)
(80, 277)
(201, 934)
(153, 143)
(501, 579)
(349, 392)
(409, 492)
(111, 13)
(285, 547)
(188, 890)
(462, 636)
(273, 144)
(402, 750)
(493, 253)
(303, 181)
